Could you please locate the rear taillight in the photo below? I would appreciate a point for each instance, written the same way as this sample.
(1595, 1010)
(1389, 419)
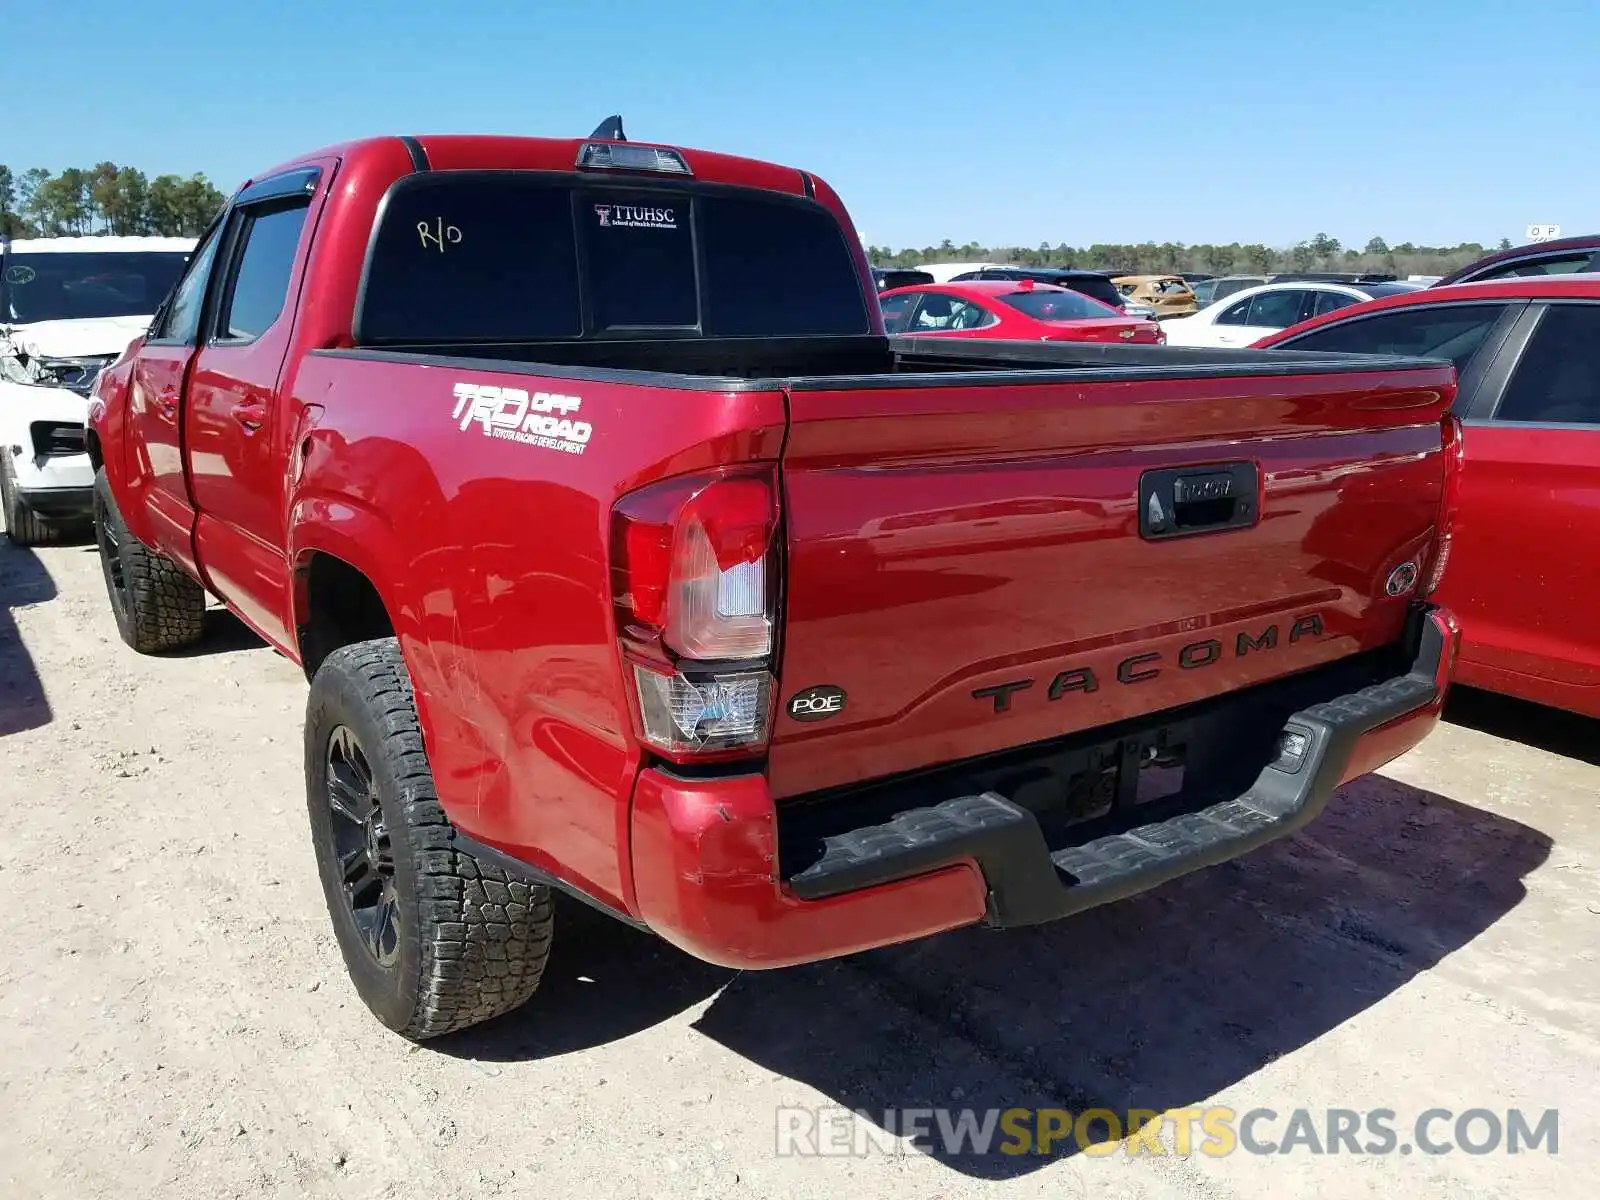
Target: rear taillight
(694, 577)
(1449, 502)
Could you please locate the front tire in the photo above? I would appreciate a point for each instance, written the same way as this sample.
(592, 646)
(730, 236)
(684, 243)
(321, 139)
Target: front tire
(23, 526)
(157, 606)
(433, 939)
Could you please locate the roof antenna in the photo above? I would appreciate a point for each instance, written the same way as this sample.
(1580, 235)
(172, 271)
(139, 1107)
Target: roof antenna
(610, 130)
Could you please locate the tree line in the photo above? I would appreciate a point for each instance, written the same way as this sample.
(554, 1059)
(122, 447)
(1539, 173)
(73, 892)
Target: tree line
(104, 199)
(1320, 253)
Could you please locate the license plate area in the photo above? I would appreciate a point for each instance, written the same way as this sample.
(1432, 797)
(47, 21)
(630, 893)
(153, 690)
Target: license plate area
(1112, 778)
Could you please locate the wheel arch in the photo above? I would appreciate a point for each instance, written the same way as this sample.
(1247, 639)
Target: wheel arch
(345, 587)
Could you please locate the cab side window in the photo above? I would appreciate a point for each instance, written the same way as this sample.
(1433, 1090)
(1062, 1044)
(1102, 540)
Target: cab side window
(266, 246)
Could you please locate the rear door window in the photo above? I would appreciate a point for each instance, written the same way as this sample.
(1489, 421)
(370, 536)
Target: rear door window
(935, 313)
(1557, 381)
(1328, 302)
(1276, 310)
(972, 316)
(1453, 331)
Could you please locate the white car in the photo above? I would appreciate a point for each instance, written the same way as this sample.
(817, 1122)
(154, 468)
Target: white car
(68, 306)
(1246, 317)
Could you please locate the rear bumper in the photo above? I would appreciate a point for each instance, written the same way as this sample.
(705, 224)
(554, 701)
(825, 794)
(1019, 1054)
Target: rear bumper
(59, 503)
(709, 878)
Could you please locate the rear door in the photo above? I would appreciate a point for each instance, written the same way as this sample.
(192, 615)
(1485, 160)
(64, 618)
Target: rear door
(155, 407)
(1524, 574)
(238, 431)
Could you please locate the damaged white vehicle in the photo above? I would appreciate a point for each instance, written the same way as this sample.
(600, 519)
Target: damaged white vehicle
(68, 306)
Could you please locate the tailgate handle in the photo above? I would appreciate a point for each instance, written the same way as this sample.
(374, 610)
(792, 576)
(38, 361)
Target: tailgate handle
(1180, 501)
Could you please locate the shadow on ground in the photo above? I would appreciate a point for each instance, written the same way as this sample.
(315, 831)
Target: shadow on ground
(224, 634)
(1157, 1002)
(1550, 729)
(23, 581)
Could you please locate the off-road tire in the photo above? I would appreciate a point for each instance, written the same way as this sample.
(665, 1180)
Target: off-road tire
(23, 526)
(472, 941)
(158, 607)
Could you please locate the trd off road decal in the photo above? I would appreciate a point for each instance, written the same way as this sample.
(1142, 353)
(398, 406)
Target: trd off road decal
(513, 415)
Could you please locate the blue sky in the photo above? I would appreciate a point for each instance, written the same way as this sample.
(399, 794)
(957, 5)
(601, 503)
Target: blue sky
(1053, 120)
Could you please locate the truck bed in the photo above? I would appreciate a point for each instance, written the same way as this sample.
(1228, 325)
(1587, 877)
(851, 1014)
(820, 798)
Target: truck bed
(809, 363)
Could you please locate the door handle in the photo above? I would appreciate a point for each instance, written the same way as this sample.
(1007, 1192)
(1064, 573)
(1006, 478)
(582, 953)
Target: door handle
(168, 399)
(249, 414)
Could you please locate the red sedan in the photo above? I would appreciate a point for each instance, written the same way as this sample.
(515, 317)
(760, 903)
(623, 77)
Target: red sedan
(1523, 569)
(1012, 309)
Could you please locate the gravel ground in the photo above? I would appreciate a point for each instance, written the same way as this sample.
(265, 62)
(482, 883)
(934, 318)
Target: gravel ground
(175, 1020)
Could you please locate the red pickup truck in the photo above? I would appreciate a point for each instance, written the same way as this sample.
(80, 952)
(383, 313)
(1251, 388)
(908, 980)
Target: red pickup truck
(626, 555)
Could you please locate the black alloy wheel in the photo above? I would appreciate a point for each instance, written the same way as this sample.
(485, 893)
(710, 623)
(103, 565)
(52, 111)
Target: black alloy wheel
(363, 847)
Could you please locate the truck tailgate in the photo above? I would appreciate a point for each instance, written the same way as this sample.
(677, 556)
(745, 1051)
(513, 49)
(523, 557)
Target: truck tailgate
(980, 566)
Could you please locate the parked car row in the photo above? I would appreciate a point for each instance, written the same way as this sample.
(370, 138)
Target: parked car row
(1522, 327)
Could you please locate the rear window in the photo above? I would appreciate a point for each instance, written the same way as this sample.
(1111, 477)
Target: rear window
(1098, 286)
(1060, 306)
(509, 257)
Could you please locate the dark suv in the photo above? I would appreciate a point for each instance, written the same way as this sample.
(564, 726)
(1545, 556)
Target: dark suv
(898, 277)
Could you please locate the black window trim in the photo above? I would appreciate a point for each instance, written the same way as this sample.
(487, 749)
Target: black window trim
(1473, 383)
(1492, 392)
(231, 258)
(578, 186)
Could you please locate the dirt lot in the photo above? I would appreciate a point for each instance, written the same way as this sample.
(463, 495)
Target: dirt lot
(175, 1020)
